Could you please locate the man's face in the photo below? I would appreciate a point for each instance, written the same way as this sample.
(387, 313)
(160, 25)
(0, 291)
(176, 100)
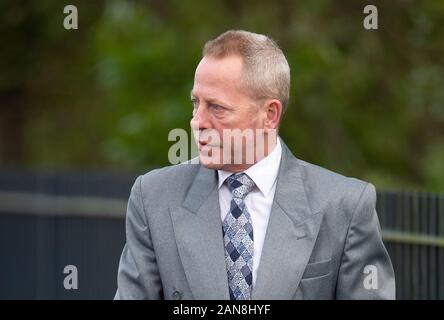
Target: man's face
(220, 103)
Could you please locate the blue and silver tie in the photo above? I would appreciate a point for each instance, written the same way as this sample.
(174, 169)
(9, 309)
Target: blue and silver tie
(238, 239)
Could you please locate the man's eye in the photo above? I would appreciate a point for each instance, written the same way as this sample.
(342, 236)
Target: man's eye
(216, 107)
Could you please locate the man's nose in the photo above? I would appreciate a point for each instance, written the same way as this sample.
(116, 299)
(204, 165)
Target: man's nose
(200, 120)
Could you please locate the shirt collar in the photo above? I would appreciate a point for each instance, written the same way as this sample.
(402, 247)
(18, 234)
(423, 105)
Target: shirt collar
(263, 173)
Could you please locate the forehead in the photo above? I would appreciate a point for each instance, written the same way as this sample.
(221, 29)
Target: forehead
(218, 75)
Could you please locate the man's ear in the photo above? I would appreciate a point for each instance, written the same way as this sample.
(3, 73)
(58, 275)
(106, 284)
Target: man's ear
(273, 111)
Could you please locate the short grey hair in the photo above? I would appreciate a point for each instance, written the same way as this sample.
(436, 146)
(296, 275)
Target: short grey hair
(267, 73)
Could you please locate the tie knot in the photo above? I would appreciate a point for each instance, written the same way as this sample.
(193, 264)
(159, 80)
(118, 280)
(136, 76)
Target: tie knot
(240, 184)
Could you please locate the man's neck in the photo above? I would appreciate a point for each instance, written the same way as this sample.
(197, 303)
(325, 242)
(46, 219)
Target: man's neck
(268, 148)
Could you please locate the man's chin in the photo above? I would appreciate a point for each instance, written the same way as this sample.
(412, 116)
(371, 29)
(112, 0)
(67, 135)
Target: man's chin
(213, 164)
(210, 163)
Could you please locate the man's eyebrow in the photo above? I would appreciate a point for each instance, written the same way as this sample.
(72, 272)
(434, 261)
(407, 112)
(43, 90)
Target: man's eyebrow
(215, 101)
(211, 100)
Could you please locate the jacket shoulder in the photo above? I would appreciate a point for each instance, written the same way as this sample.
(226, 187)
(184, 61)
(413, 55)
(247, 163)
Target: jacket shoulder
(171, 175)
(317, 173)
(329, 189)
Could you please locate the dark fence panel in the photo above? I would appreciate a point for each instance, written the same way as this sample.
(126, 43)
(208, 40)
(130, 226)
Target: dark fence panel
(35, 249)
(49, 220)
(413, 231)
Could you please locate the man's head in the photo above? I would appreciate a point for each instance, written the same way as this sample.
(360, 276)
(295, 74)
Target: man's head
(242, 82)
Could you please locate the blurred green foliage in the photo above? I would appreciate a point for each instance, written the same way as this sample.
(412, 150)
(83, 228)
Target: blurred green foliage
(364, 103)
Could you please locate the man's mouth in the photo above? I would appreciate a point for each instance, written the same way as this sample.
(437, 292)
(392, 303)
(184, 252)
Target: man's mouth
(205, 145)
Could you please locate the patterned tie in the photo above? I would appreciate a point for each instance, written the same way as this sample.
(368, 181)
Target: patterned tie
(238, 239)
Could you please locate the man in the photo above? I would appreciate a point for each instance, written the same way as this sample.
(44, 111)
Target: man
(275, 227)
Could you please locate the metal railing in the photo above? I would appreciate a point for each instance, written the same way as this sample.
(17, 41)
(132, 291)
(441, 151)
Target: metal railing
(413, 231)
(48, 221)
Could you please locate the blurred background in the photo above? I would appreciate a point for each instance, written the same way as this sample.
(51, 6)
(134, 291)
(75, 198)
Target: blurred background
(83, 112)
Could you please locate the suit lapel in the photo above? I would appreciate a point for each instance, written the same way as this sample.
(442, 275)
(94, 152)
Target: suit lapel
(290, 237)
(198, 230)
(289, 240)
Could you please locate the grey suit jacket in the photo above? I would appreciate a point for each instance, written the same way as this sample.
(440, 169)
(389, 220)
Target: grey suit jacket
(322, 233)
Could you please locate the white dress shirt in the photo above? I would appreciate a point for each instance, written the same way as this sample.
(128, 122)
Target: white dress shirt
(259, 201)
